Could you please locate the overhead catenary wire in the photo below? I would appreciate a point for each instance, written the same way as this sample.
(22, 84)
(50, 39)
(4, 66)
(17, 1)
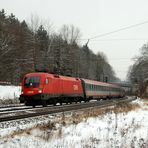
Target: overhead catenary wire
(121, 39)
(118, 30)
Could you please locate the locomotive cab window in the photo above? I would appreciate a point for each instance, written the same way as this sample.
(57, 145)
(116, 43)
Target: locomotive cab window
(33, 81)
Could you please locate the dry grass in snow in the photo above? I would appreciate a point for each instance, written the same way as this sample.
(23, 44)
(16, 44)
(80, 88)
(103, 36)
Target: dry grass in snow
(124, 125)
(9, 101)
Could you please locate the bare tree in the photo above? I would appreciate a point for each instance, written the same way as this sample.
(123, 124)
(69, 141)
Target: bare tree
(70, 34)
(139, 70)
(35, 22)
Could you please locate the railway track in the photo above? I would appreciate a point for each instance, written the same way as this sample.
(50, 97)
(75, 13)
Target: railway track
(11, 109)
(33, 112)
(11, 105)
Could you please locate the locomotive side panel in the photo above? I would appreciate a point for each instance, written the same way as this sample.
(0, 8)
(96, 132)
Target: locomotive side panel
(72, 87)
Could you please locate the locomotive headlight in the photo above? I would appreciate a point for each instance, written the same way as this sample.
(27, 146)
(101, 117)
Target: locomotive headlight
(39, 90)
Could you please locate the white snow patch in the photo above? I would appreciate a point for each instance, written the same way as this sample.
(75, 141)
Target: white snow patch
(9, 92)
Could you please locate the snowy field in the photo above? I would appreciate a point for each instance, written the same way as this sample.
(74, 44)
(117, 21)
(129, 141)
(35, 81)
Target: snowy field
(9, 92)
(84, 129)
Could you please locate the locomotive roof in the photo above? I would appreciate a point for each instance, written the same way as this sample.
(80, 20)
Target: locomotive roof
(36, 74)
(53, 76)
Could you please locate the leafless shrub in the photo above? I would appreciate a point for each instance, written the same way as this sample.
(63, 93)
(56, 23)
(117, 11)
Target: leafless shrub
(28, 132)
(63, 119)
(145, 98)
(60, 132)
(94, 140)
(76, 118)
(17, 132)
(125, 107)
(46, 135)
(87, 146)
(47, 126)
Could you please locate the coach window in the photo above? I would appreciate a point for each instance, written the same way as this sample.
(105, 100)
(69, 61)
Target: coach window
(102, 88)
(86, 87)
(89, 87)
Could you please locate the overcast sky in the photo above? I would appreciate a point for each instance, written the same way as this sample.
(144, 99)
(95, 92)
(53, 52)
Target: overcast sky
(94, 17)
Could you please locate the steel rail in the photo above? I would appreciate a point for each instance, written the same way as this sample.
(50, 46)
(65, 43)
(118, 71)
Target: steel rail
(10, 109)
(11, 105)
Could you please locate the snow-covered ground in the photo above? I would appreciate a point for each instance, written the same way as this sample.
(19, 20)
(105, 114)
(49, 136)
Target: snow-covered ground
(9, 92)
(76, 130)
(109, 130)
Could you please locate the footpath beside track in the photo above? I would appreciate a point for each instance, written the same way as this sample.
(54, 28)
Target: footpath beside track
(57, 109)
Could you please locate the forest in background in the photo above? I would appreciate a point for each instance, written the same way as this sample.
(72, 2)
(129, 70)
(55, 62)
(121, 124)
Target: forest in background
(27, 47)
(35, 46)
(138, 72)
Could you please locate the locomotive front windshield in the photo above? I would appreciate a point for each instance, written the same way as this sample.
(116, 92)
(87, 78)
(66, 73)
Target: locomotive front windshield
(32, 81)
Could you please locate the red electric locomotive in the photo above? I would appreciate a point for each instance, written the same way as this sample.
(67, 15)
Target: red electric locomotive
(45, 88)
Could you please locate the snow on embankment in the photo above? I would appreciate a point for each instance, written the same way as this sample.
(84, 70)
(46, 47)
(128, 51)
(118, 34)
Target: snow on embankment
(113, 129)
(9, 92)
